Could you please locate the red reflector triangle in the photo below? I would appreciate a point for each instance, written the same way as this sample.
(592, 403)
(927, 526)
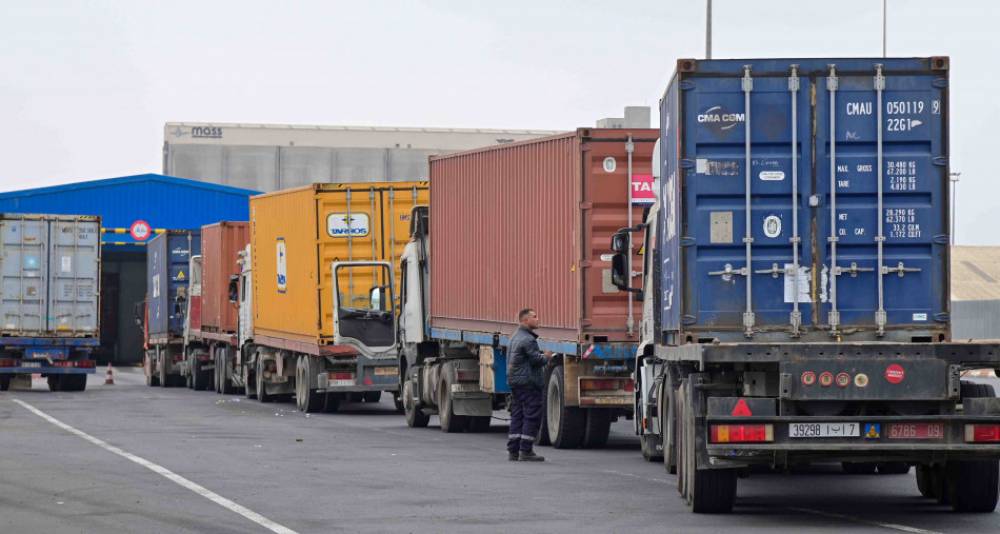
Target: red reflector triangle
(741, 409)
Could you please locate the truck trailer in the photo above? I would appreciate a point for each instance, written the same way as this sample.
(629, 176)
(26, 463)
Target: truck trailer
(168, 278)
(211, 340)
(51, 269)
(795, 281)
(317, 293)
(516, 226)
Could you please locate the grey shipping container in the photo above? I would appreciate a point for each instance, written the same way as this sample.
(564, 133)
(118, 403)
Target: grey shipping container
(167, 259)
(50, 267)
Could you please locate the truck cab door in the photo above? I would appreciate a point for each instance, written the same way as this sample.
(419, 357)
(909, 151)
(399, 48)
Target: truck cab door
(364, 312)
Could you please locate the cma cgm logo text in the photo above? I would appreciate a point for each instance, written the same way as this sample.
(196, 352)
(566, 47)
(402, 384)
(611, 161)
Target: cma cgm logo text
(716, 116)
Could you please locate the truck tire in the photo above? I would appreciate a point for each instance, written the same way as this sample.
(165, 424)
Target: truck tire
(55, 382)
(597, 428)
(262, 394)
(565, 424)
(331, 402)
(189, 379)
(73, 382)
(4, 382)
(307, 400)
(893, 468)
(479, 424)
(707, 491)
(414, 417)
(249, 381)
(161, 359)
(543, 426)
(926, 482)
(973, 485)
(668, 434)
(372, 397)
(397, 401)
(200, 378)
(859, 468)
(450, 423)
(147, 369)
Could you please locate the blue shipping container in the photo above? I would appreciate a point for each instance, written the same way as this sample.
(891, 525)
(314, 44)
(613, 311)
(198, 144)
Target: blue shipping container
(167, 259)
(836, 166)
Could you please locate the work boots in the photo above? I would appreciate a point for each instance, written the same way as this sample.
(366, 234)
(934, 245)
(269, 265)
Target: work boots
(529, 456)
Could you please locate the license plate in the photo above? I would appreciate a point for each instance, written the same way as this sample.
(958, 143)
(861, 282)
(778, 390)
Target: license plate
(31, 364)
(916, 431)
(824, 430)
(339, 383)
(386, 371)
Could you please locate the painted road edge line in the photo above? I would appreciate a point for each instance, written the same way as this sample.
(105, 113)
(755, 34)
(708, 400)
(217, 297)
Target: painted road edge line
(892, 526)
(164, 472)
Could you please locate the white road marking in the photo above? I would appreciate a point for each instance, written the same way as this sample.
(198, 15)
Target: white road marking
(891, 526)
(166, 473)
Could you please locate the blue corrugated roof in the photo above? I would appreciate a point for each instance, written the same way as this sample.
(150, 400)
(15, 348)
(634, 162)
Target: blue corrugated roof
(162, 201)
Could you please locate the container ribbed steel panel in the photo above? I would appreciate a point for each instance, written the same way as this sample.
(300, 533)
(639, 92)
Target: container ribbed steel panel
(839, 166)
(529, 225)
(220, 244)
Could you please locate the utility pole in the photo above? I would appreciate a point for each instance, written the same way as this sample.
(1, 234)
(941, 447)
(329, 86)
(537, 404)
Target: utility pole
(954, 183)
(708, 30)
(885, 17)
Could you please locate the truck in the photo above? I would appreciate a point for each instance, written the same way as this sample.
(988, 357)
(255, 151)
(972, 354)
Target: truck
(211, 339)
(50, 270)
(168, 278)
(317, 293)
(795, 282)
(517, 226)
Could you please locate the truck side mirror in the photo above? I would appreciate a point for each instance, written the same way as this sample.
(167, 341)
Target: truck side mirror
(377, 298)
(619, 276)
(619, 241)
(234, 292)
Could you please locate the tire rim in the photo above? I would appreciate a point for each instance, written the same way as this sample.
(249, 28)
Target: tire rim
(408, 399)
(553, 410)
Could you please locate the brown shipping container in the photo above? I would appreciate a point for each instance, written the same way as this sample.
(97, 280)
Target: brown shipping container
(526, 225)
(220, 244)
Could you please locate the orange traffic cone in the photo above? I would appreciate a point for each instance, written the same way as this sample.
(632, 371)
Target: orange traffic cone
(109, 377)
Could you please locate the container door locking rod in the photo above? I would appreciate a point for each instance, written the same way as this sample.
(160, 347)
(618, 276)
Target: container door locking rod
(880, 315)
(834, 316)
(748, 315)
(795, 318)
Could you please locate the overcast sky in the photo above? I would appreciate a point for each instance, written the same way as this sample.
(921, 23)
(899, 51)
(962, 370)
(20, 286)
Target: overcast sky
(86, 86)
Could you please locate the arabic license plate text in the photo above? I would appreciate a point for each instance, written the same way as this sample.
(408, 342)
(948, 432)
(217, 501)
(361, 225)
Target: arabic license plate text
(824, 430)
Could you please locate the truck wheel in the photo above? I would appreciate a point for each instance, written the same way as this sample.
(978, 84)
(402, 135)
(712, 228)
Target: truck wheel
(249, 381)
(331, 402)
(307, 399)
(414, 417)
(4, 382)
(668, 432)
(200, 378)
(147, 370)
(450, 423)
(373, 396)
(479, 424)
(55, 382)
(73, 382)
(597, 428)
(973, 485)
(189, 378)
(893, 468)
(397, 401)
(708, 491)
(859, 468)
(218, 372)
(161, 367)
(926, 482)
(543, 427)
(226, 386)
(565, 424)
(262, 394)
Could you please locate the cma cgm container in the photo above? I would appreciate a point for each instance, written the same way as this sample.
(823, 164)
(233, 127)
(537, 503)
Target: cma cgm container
(798, 269)
(210, 336)
(168, 274)
(517, 226)
(50, 271)
(324, 291)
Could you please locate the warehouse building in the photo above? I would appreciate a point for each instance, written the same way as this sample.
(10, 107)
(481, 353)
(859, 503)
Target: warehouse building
(132, 210)
(975, 293)
(268, 157)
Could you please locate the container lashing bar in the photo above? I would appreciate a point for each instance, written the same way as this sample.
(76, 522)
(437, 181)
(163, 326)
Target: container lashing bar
(880, 315)
(350, 252)
(748, 315)
(795, 317)
(834, 316)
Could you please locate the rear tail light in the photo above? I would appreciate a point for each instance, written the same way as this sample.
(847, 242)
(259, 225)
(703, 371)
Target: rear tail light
(467, 375)
(742, 433)
(341, 376)
(83, 364)
(982, 433)
(8, 362)
(607, 384)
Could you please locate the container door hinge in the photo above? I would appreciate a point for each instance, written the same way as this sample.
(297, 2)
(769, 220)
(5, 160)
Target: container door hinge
(687, 163)
(689, 319)
(587, 205)
(687, 241)
(940, 161)
(942, 317)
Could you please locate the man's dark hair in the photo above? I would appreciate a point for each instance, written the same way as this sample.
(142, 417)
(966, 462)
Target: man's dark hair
(524, 313)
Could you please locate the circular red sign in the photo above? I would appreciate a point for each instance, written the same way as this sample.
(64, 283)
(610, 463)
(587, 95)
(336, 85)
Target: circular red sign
(895, 374)
(808, 378)
(843, 380)
(140, 230)
(826, 379)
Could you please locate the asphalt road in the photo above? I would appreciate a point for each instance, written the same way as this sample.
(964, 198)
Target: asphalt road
(127, 458)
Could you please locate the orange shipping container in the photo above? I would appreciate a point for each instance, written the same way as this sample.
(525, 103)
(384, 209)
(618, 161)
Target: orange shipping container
(297, 234)
(220, 244)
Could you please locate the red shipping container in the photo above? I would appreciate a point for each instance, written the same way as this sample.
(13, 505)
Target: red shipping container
(529, 224)
(220, 246)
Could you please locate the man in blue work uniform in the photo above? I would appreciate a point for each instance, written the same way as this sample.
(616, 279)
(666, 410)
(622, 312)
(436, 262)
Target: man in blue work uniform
(525, 363)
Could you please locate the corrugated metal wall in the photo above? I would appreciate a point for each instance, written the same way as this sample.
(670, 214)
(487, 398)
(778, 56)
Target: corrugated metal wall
(975, 319)
(270, 168)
